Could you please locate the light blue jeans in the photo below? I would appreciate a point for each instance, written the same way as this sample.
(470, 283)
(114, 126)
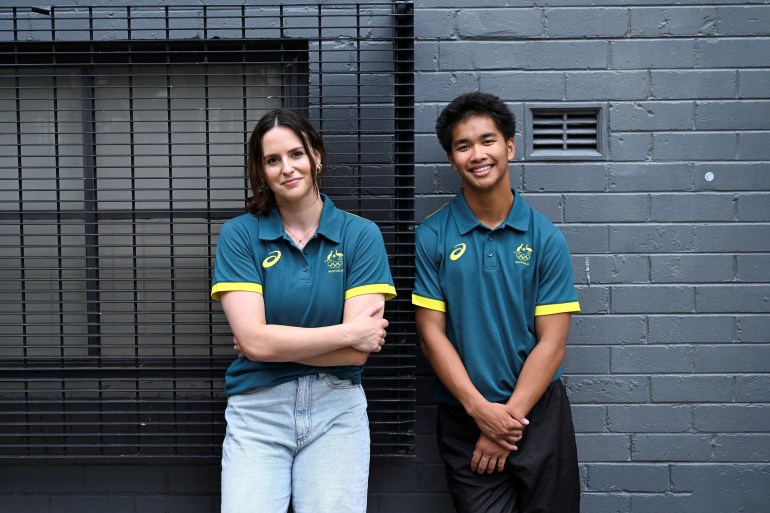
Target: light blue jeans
(306, 440)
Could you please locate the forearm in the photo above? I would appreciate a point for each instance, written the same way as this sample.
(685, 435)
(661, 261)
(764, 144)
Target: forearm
(344, 356)
(277, 343)
(542, 363)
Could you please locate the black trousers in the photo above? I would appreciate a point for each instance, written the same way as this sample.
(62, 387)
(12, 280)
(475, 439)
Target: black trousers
(541, 477)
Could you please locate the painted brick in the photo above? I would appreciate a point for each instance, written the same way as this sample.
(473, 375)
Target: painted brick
(732, 115)
(195, 479)
(606, 207)
(565, 177)
(425, 56)
(736, 358)
(744, 20)
(23, 503)
(629, 146)
(652, 54)
(503, 55)
(394, 477)
(732, 237)
(599, 269)
(152, 504)
(593, 299)
(734, 176)
(652, 116)
(650, 176)
(732, 53)
(691, 84)
(696, 389)
(425, 179)
(649, 418)
(742, 448)
(192, 504)
(650, 359)
(587, 360)
(754, 207)
(733, 298)
(81, 503)
(603, 447)
(732, 418)
(425, 418)
(695, 146)
(691, 268)
(753, 329)
(739, 485)
(678, 447)
(587, 22)
(753, 83)
(605, 502)
(425, 117)
(42, 479)
(550, 205)
(608, 389)
(679, 502)
(426, 448)
(586, 238)
(589, 418)
(606, 329)
(753, 145)
(628, 477)
(434, 23)
(660, 299)
(607, 85)
(416, 503)
(752, 389)
(674, 21)
(529, 86)
(428, 149)
(500, 23)
(651, 238)
(692, 207)
(137, 479)
(445, 86)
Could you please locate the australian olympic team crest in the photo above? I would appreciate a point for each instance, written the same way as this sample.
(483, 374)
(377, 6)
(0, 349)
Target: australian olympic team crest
(334, 261)
(523, 254)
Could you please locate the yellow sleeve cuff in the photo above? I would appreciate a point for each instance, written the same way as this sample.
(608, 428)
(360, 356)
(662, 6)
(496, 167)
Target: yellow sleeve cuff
(387, 290)
(231, 286)
(431, 304)
(573, 307)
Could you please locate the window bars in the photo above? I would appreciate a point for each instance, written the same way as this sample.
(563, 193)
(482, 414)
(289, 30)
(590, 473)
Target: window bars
(122, 135)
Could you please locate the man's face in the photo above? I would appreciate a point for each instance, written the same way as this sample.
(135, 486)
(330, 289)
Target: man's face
(480, 153)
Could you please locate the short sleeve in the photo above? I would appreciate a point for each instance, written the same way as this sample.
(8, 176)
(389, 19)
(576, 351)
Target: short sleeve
(236, 266)
(427, 291)
(556, 286)
(369, 271)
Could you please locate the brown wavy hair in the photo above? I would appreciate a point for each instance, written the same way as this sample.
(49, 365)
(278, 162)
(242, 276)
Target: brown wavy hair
(262, 199)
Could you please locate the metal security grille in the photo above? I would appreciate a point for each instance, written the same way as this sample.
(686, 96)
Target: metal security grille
(122, 136)
(565, 133)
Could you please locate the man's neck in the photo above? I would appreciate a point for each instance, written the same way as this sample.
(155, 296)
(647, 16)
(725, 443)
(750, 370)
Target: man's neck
(491, 207)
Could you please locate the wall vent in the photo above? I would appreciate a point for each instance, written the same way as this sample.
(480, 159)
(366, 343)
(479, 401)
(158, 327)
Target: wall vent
(565, 133)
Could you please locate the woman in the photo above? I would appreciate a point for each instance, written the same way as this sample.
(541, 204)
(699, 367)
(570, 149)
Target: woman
(303, 287)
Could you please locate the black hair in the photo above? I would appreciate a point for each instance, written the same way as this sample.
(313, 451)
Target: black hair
(469, 105)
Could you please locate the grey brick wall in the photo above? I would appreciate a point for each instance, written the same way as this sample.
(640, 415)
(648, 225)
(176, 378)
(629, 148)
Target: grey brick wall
(668, 362)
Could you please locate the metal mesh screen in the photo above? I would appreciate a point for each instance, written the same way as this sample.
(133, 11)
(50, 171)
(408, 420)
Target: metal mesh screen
(122, 136)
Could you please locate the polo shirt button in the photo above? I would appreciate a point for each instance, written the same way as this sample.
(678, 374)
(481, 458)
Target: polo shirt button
(304, 269)
(489, 254)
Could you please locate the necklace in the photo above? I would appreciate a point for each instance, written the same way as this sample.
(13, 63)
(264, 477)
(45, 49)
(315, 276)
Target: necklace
(301, 241)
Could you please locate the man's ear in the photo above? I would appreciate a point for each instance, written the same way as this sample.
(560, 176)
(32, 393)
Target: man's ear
(511, 148)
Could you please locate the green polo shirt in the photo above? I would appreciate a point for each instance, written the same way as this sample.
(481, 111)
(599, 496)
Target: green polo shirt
(345, 258)
(492, 284)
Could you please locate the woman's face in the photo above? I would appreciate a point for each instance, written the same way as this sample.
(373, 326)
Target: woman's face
(287, 167)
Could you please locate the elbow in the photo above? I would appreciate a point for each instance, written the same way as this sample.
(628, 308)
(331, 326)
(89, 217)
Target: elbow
(256, 352)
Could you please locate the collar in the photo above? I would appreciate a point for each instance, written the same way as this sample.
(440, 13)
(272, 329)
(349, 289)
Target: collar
(330, 225)
(518, 217)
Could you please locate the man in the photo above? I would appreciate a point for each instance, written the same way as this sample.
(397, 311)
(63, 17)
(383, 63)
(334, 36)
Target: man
(494, 294)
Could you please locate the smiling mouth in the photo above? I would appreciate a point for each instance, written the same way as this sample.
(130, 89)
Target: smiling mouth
(290, 181)
(481, 169)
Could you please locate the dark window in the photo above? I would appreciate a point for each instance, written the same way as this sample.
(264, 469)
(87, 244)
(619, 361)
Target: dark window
(120, 160)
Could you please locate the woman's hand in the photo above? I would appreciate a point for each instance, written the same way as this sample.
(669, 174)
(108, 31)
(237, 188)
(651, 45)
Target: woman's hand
(367, 329)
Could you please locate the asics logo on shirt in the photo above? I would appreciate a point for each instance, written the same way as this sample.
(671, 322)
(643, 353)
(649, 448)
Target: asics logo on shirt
(272, 258)
(457, 252)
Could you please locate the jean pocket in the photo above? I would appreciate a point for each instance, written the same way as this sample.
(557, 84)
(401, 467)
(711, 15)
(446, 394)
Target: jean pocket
(334, 382)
